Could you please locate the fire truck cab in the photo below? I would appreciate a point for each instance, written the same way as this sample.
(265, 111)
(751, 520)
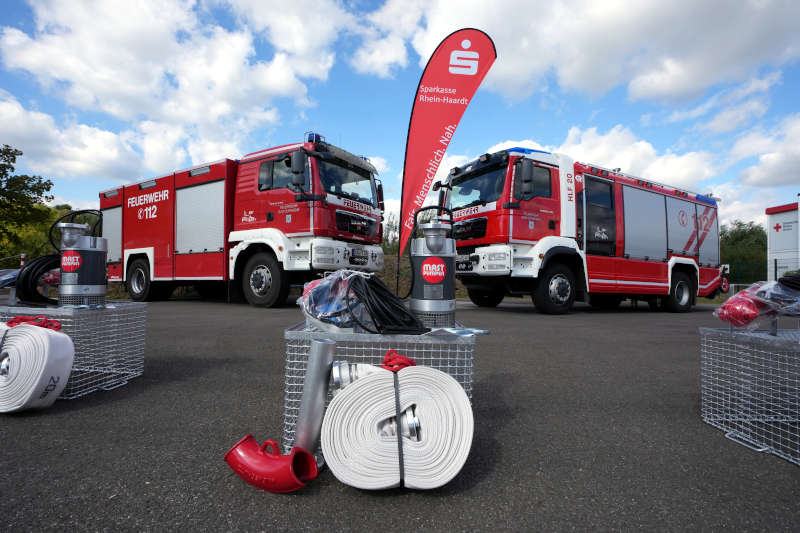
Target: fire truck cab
(529, 222)
(273, 219)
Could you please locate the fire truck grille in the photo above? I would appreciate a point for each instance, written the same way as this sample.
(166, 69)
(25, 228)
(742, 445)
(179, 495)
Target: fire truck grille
(356, 224)
(474, 228)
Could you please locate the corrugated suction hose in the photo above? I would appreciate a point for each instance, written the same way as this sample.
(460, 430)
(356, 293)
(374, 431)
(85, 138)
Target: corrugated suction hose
(362, 453)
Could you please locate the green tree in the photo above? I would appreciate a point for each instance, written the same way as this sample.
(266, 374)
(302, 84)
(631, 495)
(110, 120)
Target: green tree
(22, 199)
(743, 245)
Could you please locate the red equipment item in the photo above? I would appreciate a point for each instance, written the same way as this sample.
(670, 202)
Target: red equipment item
(266, 468)
(394, 362)
(39, 320)
(740, 310)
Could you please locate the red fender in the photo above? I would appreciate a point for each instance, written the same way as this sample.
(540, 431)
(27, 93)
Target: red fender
(266, 468)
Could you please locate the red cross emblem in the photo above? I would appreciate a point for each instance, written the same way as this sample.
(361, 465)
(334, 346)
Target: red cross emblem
(777, 227)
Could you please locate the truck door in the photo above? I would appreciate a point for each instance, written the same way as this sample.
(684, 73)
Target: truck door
(266, 199)
(599, 230)
(538, 213)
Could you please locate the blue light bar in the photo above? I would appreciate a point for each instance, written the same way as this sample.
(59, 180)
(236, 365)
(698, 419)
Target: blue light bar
(313, 137)
(706, 199)
(526, 150)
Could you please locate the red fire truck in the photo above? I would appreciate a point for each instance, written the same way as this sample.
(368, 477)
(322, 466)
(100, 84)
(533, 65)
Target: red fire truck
(539, 223)
(266, 222)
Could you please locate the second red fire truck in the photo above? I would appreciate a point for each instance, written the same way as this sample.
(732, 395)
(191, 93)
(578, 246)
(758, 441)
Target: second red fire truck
(539, 223)
(271, 220)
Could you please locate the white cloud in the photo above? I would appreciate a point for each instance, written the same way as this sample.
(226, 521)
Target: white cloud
(155, 63)
(743, 203)
(72, 151)
(620, 148)
(380, 56)
(75, 204)
(380, 164)
(779, 156)
(661, 51)
(305, 30)
(384, 47)
(161, 145)
(736, 116)
(729, 97)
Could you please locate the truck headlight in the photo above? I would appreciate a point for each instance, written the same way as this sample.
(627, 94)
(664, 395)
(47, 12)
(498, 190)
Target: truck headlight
(323, 251)
(497, 256)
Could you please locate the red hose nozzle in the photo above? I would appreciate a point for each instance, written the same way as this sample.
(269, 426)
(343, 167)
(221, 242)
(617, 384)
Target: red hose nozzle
(266, 468)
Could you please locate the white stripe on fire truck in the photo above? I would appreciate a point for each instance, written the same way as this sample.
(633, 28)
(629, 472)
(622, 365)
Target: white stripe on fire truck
(629, 282)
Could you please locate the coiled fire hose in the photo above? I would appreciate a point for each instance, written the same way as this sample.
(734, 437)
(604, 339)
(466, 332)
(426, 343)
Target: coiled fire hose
(376, 436)
(35, 363)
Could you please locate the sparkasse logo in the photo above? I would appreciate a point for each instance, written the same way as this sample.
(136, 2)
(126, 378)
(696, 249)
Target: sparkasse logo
(464, 62)
(433, 270)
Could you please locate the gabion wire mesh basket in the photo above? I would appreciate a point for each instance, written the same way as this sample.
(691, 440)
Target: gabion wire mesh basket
(449, 353)
(109, 343)
(750, 388)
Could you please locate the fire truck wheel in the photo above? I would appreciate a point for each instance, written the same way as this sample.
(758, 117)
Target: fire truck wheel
(481, 298)
(264, 283)
(680, 294)
(139, 284)
(555, 291)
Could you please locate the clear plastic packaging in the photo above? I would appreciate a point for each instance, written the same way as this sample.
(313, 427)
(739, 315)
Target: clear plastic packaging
(330, 305)
(765, 298)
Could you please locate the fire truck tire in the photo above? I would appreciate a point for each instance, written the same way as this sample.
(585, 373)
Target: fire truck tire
(264, 283)
(485, 298)
(555, 291)
(680, 294)
(139, 284)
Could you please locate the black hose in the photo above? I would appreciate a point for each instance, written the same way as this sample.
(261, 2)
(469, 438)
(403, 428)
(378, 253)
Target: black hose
(71, 215)
(387, 311)
(792, 281)
(28, 279)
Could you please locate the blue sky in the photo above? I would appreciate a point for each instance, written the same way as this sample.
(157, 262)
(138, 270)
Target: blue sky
(698, 95)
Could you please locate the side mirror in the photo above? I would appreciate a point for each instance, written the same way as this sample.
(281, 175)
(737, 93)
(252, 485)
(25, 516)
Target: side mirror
(298, 168)
(527, 176)
(380, 196)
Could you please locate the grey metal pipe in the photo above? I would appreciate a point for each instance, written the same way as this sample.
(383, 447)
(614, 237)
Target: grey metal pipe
(315, 392)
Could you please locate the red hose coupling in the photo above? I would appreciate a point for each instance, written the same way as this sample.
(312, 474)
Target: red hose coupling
(266, 468)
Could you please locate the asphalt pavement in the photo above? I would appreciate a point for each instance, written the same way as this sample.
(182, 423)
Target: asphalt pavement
(585, 421)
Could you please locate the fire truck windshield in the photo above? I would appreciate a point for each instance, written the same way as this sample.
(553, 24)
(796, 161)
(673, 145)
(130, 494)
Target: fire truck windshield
(479, 187)
(347, 181)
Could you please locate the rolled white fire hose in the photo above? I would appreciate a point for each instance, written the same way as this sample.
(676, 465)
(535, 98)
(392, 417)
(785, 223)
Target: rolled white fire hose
(35, 364)
(361, 453)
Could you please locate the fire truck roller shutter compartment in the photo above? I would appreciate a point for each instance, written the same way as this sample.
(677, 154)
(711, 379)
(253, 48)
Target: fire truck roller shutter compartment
(708, 235)
(682, 227)
(200, 231)
(112, 231)
(645, 224)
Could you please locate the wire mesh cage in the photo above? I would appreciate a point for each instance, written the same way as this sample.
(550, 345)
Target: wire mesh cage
(750, 388)
(449, 353)
(109, 343)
